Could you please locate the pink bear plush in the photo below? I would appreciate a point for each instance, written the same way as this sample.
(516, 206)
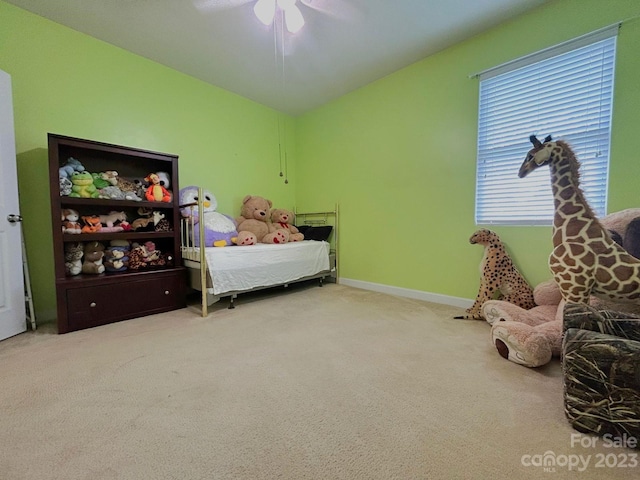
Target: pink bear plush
(528, 337)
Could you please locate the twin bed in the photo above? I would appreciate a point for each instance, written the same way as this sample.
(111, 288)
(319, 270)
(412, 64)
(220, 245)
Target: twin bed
(229, 271)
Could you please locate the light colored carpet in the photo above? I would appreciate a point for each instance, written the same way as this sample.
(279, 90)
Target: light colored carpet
(313, 383)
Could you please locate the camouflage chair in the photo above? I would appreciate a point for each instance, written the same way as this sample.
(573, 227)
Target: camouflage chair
(601, 367)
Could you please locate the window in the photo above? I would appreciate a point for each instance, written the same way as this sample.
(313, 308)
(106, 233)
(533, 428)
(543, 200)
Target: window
(565, 91)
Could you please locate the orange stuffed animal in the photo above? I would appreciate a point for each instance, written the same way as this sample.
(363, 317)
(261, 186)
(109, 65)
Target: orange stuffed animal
(155, 191)
(91, 224)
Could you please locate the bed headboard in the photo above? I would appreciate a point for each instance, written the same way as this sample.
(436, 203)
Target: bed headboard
(316, 221)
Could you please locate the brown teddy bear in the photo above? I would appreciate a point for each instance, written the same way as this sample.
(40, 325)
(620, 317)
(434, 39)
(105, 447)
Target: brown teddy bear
(254, 217)
(282, 219)
(93, 254)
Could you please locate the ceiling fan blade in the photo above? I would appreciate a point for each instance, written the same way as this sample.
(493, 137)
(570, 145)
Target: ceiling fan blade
(293, 18)
(265, 10)
(216, 5)
(341, 9)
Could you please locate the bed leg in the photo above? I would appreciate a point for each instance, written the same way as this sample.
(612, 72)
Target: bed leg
(231, 304)
(321, 279)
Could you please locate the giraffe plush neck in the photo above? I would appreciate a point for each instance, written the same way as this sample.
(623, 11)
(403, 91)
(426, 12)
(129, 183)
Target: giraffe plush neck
(585, 260)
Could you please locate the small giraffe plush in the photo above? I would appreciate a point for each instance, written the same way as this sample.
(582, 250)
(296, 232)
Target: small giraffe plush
(585, 260)
(498, 276)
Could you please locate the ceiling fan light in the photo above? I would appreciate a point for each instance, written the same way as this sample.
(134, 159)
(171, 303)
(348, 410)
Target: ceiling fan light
(265, 10)
(293, 18)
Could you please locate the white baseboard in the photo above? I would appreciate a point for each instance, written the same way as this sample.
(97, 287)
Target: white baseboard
(406, 292)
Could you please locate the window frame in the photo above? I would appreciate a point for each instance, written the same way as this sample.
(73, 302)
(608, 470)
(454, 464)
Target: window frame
(501, 147)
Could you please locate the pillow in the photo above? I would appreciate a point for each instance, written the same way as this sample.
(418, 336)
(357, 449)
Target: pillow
(316, 233)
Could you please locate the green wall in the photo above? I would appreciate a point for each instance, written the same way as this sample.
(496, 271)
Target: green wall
(399, 155)
(69, 83)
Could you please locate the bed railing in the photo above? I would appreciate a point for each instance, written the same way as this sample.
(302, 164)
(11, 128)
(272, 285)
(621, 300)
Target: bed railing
(323, 218)
(187, 241)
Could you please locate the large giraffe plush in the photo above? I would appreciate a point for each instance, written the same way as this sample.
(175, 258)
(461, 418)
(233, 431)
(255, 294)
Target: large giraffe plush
(585, 260)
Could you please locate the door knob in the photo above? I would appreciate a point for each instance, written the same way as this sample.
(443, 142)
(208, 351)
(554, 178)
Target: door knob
(12, 218)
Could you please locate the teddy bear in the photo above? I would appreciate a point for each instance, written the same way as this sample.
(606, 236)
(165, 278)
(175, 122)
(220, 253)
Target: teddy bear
(93, 255)
(73, 253)
(255, 215)
(532, 337)
(282, 219)
(70, 223)
(528, 337)
(219, 229)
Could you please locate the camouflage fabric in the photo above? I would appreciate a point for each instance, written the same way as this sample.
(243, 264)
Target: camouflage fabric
(601, 366)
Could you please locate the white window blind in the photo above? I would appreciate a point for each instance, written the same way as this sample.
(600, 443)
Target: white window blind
(566, 92)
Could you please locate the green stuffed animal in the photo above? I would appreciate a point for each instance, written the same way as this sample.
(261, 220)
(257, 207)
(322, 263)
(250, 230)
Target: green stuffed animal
(83, 186)
(100, 182)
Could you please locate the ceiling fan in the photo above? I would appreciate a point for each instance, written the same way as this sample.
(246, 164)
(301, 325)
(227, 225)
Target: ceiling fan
(265, 10)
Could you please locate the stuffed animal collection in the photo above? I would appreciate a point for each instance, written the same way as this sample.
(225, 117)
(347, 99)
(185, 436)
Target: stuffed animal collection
(255, 217)
(114, 221)
(258, 223)
(146, 255)
(76, 181)
(94, 258)
(532, 337)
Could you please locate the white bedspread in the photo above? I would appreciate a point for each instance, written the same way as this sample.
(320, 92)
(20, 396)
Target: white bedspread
(243, 268)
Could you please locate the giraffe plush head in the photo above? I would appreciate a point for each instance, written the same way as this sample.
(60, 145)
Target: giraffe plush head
(538, 156)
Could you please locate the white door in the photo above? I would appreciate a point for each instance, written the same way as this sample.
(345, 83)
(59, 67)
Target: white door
(12, 306)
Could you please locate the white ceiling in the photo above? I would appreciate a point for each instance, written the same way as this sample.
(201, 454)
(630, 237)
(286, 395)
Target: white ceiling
(344, 45)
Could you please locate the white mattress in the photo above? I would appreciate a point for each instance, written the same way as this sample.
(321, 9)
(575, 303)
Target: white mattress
(241, 268)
